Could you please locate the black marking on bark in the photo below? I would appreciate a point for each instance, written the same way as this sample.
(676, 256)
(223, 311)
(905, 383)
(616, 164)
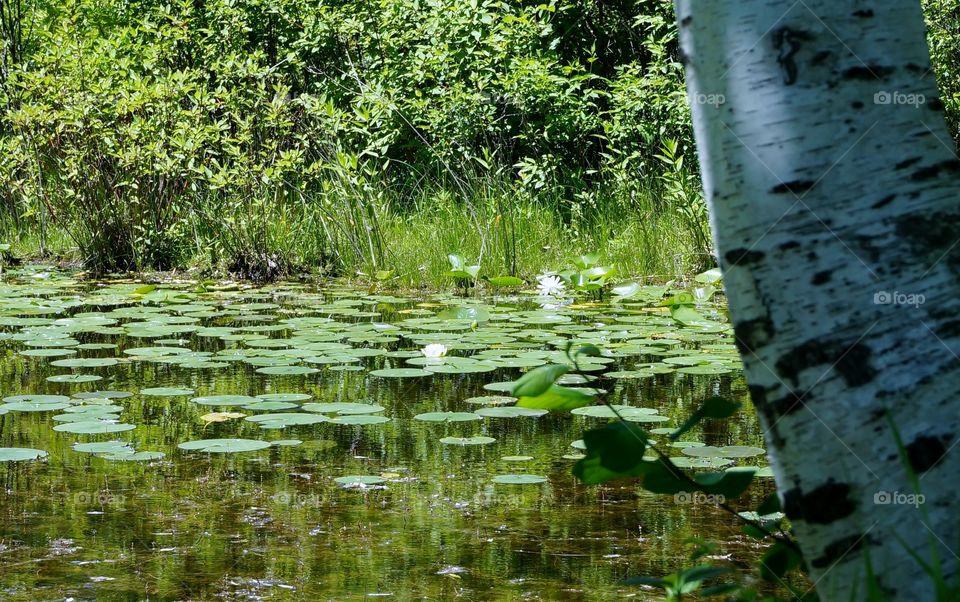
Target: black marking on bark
(948, 329)
(750, 335)
(820, 57)
(935, 104)
(884, 201)
(787, 42)
(869, 73)
(863, 14)
(925, 452)
(822, 277)
(933, 236)
(795, 187)
(825, 504)
(918, 68)
(686, 20)
(790, 244)
(851, 362)
(856, 104)
(790, 403)
(744, 257)
(758, 394)
(838, 550)
(932, 171)
(907, 162)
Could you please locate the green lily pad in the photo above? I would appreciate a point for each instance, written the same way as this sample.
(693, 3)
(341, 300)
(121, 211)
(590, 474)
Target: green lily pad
(93, 427)
(359, 419)
(401, 373)
(287, 397)
(519, 479)
(85, 362)
(224, 446)
(468, 440)
(166, 391)
(359, 480)
(20, 454)
(224, 400)
(73, 378)
(446, 416)
(510, 412)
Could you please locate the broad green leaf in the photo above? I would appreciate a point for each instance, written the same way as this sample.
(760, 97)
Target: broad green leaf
(557, 398)
(538, 380)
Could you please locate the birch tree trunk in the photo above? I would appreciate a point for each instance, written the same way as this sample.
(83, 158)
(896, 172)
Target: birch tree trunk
(835, 205)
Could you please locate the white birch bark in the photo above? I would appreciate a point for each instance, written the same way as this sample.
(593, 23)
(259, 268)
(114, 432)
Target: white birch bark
(834, 196)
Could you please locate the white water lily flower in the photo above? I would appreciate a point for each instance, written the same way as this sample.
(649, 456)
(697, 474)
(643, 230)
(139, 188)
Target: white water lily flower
(434, 350)
(550, 285)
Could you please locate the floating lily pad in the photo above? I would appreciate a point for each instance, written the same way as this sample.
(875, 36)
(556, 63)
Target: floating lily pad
(359, 480)
(401, 373)
(286, 397)
(103, 447)
(468, 440)
(491, 400)
(224, 400)
(142, 456)
(287, 370)
(224, 446)
(36, 399)
(85, 362)
(447, 416)
(517, 458)
(73, 378)
(343, 407)
(166, 391)
(94, 427)
(510, 412)
(286, 442)
(286, 419)
(519, 479)
(20, 454)
(359, 419)
(26, 406)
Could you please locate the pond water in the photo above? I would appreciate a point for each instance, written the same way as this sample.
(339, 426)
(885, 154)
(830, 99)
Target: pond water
(380, 495)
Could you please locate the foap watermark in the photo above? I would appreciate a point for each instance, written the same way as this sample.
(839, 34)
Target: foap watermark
(898, 298)
(697, 497)
(713, 100)
(899, 98)
(895, 498)
(98, 498)
(292, 498)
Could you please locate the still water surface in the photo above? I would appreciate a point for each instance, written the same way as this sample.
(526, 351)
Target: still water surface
(273, 524)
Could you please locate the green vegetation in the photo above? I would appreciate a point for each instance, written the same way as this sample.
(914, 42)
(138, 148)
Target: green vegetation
(276, 136)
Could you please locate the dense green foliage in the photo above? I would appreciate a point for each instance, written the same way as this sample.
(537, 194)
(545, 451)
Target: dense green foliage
(268, 134)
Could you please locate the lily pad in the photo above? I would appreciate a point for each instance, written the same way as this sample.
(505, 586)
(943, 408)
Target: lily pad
(478, 440)
(166, 391)
(224, 446)
(401, 373)
(359, 480)
(519, 479)
(20, 454)
(447, 416)
(94, 427)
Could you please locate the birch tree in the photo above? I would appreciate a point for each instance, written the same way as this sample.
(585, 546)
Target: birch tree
(835, 205)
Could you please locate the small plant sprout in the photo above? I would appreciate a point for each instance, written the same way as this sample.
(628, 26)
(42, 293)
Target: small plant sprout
(434, 350)
(550, 285)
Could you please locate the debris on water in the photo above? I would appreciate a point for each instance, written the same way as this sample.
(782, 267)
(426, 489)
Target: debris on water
(452, 570)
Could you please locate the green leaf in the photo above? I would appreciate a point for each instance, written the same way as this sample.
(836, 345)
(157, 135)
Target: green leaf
(715, 407)
(537, 381)
(619, 445)
(660, 478)
(557, 398)
(709, 277)
(504, 281)
(769, 505)
(145, 289)
(730, 484)
(778, 560)
(589, 350)
(586, 261)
